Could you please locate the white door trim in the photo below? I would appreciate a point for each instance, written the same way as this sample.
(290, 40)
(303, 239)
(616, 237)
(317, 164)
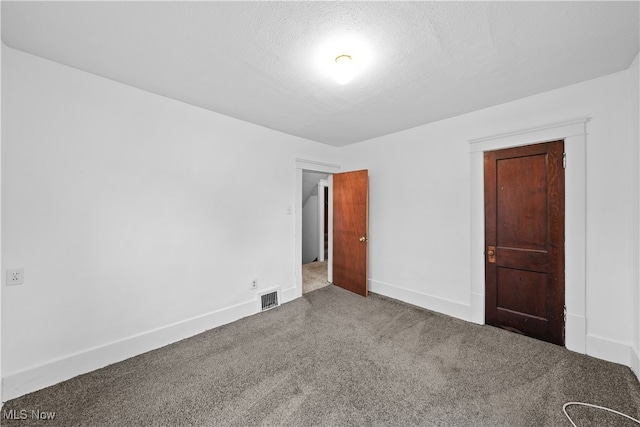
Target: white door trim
(322, 184)
(574, 133)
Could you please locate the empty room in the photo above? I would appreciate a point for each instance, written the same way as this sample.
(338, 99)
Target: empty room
(320, 213)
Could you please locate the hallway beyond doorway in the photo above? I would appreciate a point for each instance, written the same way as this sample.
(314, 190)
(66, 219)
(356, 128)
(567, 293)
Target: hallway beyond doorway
(314, 276)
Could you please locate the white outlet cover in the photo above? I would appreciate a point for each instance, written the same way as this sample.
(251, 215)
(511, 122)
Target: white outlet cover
(15, 277)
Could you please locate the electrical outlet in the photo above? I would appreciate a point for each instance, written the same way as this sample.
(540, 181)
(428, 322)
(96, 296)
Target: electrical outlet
(254, 284)
(15, 276)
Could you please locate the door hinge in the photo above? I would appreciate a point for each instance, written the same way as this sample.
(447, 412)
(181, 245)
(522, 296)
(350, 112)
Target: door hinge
(564, 313)
(564, 160)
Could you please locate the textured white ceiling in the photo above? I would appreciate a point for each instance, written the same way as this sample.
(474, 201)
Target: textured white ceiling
(258, 61)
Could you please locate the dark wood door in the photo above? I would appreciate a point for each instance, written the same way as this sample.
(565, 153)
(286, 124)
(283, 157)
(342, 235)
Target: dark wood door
(524, 237)
(350, 230)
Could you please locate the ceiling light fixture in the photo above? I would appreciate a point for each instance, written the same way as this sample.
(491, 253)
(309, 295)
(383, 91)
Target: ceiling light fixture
(343, 72)
(341, 58)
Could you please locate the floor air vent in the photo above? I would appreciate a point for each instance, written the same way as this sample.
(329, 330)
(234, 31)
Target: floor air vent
(268, 300)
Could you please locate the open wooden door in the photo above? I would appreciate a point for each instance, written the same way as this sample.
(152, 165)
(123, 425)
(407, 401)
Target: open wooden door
(350, 231)
(524, 234)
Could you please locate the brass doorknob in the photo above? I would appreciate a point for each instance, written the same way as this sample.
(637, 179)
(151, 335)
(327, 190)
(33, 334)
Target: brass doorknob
(491, 254)
(363, 239)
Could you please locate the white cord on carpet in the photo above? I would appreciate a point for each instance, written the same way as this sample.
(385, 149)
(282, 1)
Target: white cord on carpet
(564, 409)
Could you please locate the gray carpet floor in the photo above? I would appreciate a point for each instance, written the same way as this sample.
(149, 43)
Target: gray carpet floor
(314, 276)
(333, 358)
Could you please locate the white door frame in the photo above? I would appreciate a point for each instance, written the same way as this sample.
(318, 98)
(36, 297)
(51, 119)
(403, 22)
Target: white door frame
(574, 133)
(313, 166)
(322, 184)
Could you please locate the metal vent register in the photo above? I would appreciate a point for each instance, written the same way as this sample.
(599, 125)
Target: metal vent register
(269, 300)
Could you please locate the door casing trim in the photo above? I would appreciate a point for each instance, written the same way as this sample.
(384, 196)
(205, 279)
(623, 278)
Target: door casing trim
(324, 183)
(574, 134)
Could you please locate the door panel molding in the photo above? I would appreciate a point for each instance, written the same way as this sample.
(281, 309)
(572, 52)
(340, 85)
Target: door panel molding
(574, 133)
(524, 220)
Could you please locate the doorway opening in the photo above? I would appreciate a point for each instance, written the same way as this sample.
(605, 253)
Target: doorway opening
(327, 170)
(347, 227)
(315, 230)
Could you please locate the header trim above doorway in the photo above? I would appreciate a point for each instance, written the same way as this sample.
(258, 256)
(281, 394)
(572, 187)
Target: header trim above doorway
(580, 129)
(532, 135)
(312, 165)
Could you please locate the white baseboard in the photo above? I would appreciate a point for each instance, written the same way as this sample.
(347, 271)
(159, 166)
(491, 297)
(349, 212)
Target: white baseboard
(477, 308)
(610, 350)
(430, 302)
(575, 338)
(635, 361)
(38, 377)
(289, 294)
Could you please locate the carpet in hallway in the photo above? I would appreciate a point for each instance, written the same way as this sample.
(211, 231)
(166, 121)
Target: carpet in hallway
(314, 276)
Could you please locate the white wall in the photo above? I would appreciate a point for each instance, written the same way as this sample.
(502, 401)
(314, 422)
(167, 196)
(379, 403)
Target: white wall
(1, 270)
(138, 219)
(420, 205)
(310, 230)
(634, 132)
